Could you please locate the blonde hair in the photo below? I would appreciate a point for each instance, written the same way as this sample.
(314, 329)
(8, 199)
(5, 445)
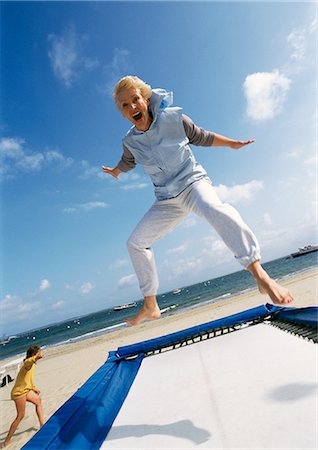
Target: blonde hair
(130, 82)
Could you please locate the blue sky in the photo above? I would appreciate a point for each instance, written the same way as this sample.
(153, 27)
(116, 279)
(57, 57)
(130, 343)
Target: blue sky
(245, 70)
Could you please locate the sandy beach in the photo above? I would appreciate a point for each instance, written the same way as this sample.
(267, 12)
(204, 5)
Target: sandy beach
(65, 368)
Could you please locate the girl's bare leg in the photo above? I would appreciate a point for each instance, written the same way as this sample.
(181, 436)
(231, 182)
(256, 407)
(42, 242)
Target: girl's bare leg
(149, 311)
(277, 293)
(34, 398)
(20, 406)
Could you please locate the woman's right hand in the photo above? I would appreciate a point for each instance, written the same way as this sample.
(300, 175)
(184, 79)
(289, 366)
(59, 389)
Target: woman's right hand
(114, 172)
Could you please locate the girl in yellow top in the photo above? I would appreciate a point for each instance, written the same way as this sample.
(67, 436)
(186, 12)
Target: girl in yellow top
(25, 391)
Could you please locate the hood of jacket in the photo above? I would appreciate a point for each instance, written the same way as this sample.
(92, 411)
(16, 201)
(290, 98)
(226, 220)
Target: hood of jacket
(160, 99)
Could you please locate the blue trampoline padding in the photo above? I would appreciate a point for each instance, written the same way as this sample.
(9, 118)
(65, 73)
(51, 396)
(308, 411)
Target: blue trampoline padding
(304, 316)
(174, 338)
(85, 419)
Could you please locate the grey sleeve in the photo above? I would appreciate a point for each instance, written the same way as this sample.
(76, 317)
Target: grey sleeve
(127, 161)
(196, 135)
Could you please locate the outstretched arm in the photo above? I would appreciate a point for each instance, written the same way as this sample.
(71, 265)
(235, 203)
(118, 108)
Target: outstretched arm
(222, 141)
(203, 138)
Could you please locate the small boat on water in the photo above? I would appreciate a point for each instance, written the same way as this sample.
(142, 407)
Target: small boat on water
(304, 251)
(126, 306)
(169, 308)
(176, 291)
(6, 340)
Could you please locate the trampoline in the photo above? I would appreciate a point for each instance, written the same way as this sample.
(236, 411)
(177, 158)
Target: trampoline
(244, 381)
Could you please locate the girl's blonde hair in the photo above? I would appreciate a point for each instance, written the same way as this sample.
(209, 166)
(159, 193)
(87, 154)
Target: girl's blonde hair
(130, 82)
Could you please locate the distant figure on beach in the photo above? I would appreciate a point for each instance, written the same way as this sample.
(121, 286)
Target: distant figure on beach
(24, 391)
(159, 141)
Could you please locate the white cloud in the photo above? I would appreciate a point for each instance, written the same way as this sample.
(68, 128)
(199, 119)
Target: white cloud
(288, 183)
(12, 307)
(118, 67)
(86, 288)
(119, 62)
(297, 42)
(58, 305)
(295, 153)
(66, 55)
(11, 148)
(63, 56)
(14, 158)
(134, 176)
(134, 186)
(90, 171)
(186, 266)
(288, 237)
(218, 246)
(127, 176)
(215, 246)
(176, 250)
(267, 218)
(31, 163)
(241, 193)
(122, 262)
(10, 302)
(93, 205)
(85, 207)
(311, 165)
(193, 265)
(56, 156)
(265, 94)
(26, 309)
(311, 160)
(70, 210)
(128, 280)
(44, 285)
(301, 43)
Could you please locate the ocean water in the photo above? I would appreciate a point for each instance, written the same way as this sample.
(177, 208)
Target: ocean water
(107, 320)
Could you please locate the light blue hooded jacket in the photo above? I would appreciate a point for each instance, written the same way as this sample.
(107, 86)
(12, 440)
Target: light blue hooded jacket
(163, 150)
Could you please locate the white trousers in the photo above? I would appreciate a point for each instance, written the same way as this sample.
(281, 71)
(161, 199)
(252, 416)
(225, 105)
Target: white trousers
(164, 215)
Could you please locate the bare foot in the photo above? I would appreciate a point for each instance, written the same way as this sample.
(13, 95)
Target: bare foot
(277, 293)
(144, 314)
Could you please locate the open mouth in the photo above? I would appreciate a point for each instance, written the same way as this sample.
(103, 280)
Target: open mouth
(137, 116)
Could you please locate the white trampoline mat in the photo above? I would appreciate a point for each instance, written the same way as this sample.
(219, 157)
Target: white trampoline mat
(250, 389)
